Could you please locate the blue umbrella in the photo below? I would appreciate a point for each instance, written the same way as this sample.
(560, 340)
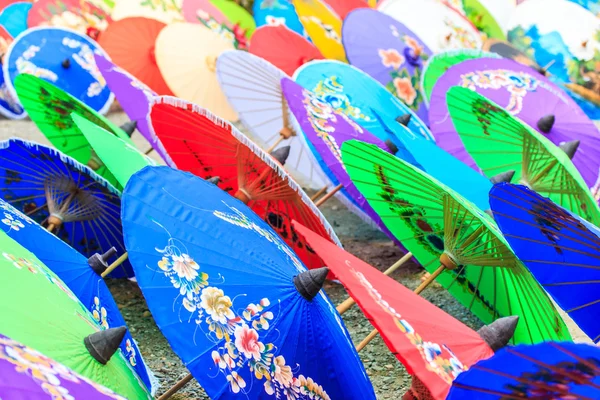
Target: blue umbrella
(549, 370)
(62, 57)
(561, 250)
(71, 200)
(232, 298)
(277, 12)
(9, 105)
(75, 271)
(14, 17)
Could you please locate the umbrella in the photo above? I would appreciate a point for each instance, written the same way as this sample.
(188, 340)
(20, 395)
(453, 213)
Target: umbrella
(432, 345)
(193, 10)
(66, 197)
(438, 226)
(50, 108)
(501, 143)
(25, 370)
(41, 312)
(232, 315)
(236, 15)
(166, 11)
(13, 17)
(524, 94)
(78, 15)
(136, 54)
(438, 64)
(252, 86)
(200, 142)
(224, 30)
(9, 106)
(439, 27)
(482, 17)
(559, 249)
(282, 47)
(344, 7)
(62, 57)
(120, 157)
(543, 371)
(389, 52)
(192, 74)
(507, 50)
(323, 26)
(82, 277)
(275, 13)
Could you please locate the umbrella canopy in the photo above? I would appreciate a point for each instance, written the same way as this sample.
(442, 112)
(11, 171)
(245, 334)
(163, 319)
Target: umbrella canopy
(344, 7)
(79, 206)
(9, 105)
(438, 226)
(78, 15)
(559, 249)
(439, 27)
(136, 55)
(438, 64)
(389, 52)
(13, 17)
(283, 48)
(432, 345)
(166, 11)
(43, 313)
(62, 57)
(209, 147)
(224, 29)
(193, 10)
(276, 13)
(543, 371)
(501, 143)
(27, 372)
(323, 26)
(232, 315)
(192, 74)
(79, 274)
(50, 109)
(252, 86)
(481, 16)
(119, 156)
(236, 15)
(524, 94)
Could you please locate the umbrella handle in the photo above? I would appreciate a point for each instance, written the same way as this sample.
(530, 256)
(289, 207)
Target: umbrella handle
(329, 195)
(279, 140)
(319, 193)
(50, 227)
(176, 387)
(114, 265)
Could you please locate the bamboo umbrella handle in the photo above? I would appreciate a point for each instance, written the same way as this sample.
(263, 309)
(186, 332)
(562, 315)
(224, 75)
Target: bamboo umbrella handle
(50, 227)
(114, 265)
(329, 195)
(150, 150)
(320, 192)
(279, 140)
(176, 387)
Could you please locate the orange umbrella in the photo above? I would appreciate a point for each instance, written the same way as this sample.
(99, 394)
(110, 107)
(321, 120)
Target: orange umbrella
(130, 44)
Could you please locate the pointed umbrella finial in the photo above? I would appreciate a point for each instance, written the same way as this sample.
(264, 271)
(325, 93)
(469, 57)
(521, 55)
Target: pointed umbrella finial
(570, 148)
(503, 177)
(66, 63)
(308, 283)
(103, 344)
(99, 262)
(281, 154)
(214, 180)
(404, 119)
(546, 123)
(498, 333)
(391, 146)
(129, 127)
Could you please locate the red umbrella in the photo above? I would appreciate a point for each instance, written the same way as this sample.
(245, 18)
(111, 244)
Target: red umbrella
(433, 346)
(283, 48)
(343, 7)
(209, 147)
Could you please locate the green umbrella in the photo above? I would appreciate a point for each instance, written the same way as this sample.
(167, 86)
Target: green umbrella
(439, 63)
(237, 15)
(500, 143)
(50, 108)
(39, 311)
(483, 19)
(441, 228)
(120, 157)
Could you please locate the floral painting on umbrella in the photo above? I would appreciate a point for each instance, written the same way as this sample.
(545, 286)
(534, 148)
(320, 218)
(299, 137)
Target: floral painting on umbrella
(235, 34)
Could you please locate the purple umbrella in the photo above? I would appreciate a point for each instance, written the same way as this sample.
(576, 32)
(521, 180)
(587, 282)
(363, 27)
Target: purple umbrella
(527, 95)
(133, 96)
(27, 374)
(389, 52)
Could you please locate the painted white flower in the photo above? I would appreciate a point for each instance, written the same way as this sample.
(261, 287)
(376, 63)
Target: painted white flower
(185, 267)
(11, 222)
(247, 343)
(283, 373)
(216, 304)
(275, 21)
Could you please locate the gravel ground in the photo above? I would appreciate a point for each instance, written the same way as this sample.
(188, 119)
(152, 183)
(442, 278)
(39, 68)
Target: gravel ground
(388, 376)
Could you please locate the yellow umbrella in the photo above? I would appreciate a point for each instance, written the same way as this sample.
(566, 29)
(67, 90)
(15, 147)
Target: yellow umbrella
(323, 26)
(186, 55)
(166, 11)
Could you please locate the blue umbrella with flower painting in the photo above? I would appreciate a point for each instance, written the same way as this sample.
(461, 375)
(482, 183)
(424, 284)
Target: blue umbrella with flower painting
(277, 12)
(79, 274)
(233, 300)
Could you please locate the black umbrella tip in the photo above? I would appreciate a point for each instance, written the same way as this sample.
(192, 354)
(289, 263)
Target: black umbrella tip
(103, 344)
(503, 177)
(546, 123)
(404, 119)
(214, 180)
(570, 148)
(500, 332)
(308, 283)
(391, 146)
(281, 154)
(99, 262)
(66, 63)
(129, 127)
